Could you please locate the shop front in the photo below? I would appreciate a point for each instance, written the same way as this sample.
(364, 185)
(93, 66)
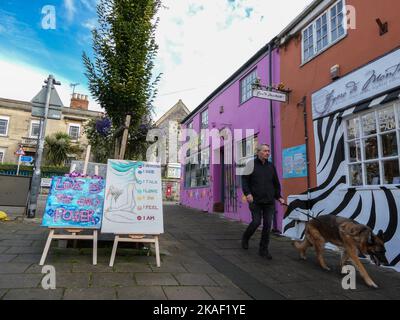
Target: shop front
(356, 122)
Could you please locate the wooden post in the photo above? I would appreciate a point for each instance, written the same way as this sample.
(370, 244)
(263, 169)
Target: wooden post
(125, 137)
(116, 148)
(89, 147)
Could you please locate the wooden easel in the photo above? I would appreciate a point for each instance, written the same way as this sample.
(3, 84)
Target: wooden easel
(74, 235)
(73, 231)
(136, 238)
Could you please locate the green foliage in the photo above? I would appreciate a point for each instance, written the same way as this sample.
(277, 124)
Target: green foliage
(120, 75)
(57, 148)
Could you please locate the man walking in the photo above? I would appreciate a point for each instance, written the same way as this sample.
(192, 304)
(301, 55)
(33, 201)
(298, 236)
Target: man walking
(261, 187)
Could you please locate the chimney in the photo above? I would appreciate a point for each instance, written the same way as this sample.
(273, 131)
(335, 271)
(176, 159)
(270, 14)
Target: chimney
(79, 101)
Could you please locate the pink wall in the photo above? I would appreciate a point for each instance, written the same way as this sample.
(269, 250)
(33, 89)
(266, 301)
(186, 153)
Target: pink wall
(252, 114)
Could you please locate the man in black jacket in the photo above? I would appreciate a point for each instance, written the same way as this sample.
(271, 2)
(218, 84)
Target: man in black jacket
(261, 187)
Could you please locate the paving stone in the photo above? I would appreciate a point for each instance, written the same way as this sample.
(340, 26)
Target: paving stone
(3, 249)
(199, 268)
(113, 280)
(18, 250)
(158, 279)
(227, 293)
(2, 293)
(186, 293)
(31, 258)
(6, 257)
(221, 280)
(88, 267)
(34, 294)
(16, 242)
(13, 267)
(168, 267)
(72, 280)
(131, 267)
(90, 294)
(141, 293)
(60, 268)
(13, 281)
(194, 279)
(366, 295)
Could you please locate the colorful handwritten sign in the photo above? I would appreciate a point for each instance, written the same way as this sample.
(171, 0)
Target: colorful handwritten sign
(133, 201)
(74, 203)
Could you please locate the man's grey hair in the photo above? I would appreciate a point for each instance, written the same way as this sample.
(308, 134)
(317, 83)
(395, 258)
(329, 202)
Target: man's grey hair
(262, 145)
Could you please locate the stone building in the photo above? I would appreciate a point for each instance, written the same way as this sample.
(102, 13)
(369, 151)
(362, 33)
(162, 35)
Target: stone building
(19, 128)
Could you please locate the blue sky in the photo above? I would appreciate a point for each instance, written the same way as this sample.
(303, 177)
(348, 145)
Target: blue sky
(201, 43)
(23, 39)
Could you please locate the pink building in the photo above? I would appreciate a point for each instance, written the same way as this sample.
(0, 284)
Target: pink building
(215, 186)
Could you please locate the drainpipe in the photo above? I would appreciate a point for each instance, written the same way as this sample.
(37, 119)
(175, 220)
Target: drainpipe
(303, 103)
(272, 125)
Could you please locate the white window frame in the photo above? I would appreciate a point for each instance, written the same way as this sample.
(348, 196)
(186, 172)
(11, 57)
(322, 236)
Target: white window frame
(3, 151)
(361, 138)
(74, 125)
(246, 81)
(31, 127)
(204, 125)
(8, 125)
(331, 42)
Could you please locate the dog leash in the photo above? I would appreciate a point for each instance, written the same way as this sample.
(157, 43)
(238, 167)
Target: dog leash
(306, 214)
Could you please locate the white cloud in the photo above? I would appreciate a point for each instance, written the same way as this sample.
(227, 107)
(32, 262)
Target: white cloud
(211, 40)
(23, 82)
(90, 23)
(71, 9)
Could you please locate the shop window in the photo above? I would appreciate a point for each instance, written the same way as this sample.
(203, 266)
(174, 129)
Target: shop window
(245, 151)
(372, 147)
(197, 169)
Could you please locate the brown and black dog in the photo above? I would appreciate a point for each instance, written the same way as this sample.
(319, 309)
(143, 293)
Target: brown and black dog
(348, 234)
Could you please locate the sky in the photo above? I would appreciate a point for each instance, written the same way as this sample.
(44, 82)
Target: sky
(201, 43)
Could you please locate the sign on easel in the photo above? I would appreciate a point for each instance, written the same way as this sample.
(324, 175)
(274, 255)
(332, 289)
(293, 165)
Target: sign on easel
(74, 203)
(133, 198)
(133, 204)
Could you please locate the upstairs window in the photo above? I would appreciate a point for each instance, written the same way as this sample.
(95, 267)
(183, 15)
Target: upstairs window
(74, 131)
(324, 31)
(246, 90)
(4, 125)
(34, 130)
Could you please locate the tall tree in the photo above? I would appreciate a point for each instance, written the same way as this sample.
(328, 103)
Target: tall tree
(120, 74)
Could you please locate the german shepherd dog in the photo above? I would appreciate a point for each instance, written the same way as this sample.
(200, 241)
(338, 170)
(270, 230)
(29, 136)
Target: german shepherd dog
(350, 235)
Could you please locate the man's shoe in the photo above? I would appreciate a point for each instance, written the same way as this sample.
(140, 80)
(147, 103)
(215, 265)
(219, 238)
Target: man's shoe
(265, 254)
(245, 244)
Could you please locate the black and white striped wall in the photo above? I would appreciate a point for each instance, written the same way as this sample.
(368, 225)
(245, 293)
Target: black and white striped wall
(379, 208)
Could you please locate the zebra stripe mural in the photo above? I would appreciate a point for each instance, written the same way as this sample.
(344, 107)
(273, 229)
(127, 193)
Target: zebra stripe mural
(377, 207)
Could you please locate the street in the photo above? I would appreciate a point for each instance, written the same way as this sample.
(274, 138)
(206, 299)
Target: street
(201, 259)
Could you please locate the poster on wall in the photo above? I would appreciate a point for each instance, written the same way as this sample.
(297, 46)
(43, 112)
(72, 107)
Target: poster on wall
(74, 203)
(294, 162)
(133, 198)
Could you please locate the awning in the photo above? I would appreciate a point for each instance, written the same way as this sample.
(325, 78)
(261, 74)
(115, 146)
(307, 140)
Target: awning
(381, 100)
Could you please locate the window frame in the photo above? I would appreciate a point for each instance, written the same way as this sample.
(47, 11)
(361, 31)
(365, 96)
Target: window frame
(3, 151)
(199, 166)
(31, 127)
(361, 138)
(79, 130)
(313, 24)
(247, 82)
(7, 118)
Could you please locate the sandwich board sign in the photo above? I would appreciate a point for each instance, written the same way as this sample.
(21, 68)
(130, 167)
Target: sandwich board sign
(74, 203)
(133, 198)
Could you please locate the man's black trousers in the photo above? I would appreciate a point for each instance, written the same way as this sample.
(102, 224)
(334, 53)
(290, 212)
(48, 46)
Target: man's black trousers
(264, 212)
